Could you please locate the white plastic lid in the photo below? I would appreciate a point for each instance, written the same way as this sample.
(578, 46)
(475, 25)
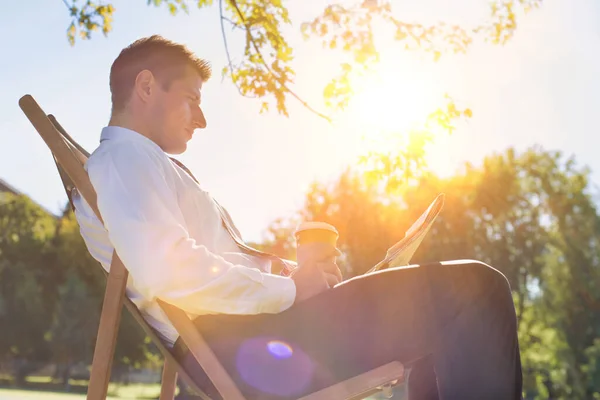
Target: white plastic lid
(316, 225)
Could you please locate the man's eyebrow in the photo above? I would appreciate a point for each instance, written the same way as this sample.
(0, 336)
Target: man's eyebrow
(197, 96)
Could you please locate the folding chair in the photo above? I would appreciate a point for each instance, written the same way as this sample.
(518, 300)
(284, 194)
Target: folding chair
(70, 158)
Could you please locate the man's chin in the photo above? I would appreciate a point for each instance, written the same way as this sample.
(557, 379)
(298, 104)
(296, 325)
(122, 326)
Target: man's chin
(175, 150)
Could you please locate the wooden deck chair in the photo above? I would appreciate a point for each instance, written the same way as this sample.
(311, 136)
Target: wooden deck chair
(70, 159)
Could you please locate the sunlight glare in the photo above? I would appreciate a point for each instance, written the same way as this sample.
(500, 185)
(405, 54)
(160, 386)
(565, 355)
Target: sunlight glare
(397, 97)
(441, 156)
(388, 113)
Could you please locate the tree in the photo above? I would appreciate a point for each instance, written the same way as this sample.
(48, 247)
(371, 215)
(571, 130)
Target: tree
(265, 70)
(529, 214)
(77, 312)
(28, 277)
(74, 325)
(51, 293)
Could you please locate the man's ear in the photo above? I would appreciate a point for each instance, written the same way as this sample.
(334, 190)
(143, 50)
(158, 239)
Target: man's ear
(144, 85)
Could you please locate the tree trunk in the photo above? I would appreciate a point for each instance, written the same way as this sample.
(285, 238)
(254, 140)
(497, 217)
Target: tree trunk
(66, 375)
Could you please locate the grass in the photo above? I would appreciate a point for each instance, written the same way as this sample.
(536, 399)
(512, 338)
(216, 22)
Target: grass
(134, 391)
(115, 392)
(46, 388)
(12, 394)
(42, 388)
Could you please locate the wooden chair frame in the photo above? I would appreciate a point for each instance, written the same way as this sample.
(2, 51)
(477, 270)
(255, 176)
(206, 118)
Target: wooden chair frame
(70, 159)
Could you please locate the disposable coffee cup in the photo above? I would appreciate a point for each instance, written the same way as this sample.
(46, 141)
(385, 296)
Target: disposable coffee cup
(316, 241)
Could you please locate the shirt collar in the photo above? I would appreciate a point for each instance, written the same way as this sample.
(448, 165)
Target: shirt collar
(120, 133)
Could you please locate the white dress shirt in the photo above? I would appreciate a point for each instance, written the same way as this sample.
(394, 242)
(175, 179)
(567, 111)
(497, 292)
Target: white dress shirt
(169, 235)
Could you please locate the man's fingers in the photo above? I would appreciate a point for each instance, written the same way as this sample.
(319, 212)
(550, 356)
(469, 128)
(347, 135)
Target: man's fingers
(331, 279)
(330, 268)
(332, 273)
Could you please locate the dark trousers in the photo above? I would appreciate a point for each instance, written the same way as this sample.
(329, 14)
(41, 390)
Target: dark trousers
(452, 323)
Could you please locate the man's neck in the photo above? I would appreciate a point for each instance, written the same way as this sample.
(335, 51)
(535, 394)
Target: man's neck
(125, 121)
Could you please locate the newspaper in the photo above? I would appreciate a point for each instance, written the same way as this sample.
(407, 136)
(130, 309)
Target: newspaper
(401, 253)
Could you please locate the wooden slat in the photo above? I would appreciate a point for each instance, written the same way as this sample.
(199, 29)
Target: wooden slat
(168, 356)
(108, 329)
(83, 153)
(132, 308)
(376, 391)
(360, 385)
(168, 382)
(117, 278)
(202, 352)
(61, 151)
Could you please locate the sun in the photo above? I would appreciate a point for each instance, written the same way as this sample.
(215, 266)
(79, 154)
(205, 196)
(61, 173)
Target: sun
(394, 98)
(390, 108)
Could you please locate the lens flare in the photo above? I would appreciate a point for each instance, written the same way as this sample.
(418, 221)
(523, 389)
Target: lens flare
(275, 366)
(280, 349)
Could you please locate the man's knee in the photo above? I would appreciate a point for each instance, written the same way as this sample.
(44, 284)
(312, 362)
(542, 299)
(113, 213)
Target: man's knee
(478, 271)
(477, 279)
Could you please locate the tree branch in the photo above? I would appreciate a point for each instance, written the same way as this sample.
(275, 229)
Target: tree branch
(223, 18)
(227, 48)
(263, 62)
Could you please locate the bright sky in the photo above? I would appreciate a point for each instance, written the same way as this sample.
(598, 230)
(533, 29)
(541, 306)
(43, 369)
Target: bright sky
(541, 88)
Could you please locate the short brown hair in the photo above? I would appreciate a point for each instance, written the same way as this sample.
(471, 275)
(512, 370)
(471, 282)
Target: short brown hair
(164, 58)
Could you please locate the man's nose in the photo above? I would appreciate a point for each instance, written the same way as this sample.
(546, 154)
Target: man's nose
(199, 119)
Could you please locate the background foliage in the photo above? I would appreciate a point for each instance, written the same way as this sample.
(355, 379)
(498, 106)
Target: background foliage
(531, 214)
(265, 68)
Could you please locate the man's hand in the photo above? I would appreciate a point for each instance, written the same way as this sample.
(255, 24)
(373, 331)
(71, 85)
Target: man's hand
(315, 277)
(310, 281)
(332, 272)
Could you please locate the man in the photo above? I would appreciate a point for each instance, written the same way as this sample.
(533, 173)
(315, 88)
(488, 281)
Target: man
(279, 337)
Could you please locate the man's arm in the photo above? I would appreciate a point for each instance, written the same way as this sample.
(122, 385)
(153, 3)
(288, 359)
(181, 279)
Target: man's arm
(139, 206)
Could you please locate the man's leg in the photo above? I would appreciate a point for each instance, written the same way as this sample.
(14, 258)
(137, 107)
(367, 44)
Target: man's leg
(459, 314)
(422, 382)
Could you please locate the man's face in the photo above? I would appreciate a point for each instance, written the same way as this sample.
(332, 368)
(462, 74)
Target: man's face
(176, 112)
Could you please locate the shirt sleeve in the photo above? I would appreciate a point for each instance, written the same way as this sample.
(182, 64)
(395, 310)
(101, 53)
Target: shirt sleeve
(139, 206)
